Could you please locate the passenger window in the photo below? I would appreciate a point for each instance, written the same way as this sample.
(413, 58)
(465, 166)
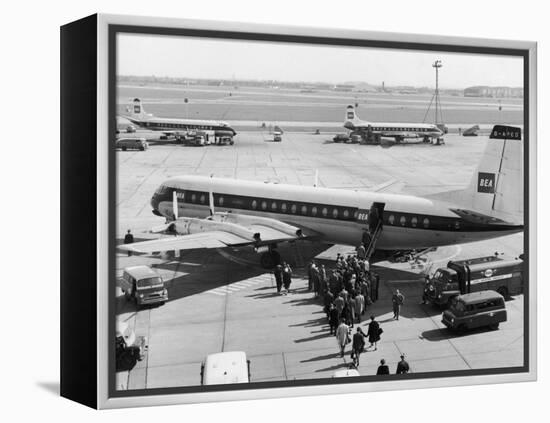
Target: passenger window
(304, 210)
(356, 214)
(220, 201)
(346, 213)
(283, 207)
(325, 211)
(293, 208)
(203, 198)
(403, 220)
(264, 205)
(314, 211)
(254, 204)
(335, 213)
(274, 206)
(391, 219)
(414, 222)
(426, 222)
(194, 198)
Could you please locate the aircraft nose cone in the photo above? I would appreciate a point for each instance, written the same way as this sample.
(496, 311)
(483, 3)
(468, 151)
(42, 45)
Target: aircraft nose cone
(155, 204)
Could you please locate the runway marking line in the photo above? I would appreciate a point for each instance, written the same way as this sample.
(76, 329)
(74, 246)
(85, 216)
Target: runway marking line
(237, 286)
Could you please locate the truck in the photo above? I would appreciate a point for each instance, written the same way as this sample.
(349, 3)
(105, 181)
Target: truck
(499, 273)
(143, 285)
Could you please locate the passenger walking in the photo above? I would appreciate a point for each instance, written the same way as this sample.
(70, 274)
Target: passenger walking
(316, 281)
(342, 336)
(347, 313)
(129, 239)
(278, 273)
(287, 277)
(310, 275)
(383, 369)
(361, 252)
(402, 366)
(328, 300)
(374, 332)
(334, 319)
(339, 303)
(397, 301)
(323, 279)
(357, 346)
(359, 305)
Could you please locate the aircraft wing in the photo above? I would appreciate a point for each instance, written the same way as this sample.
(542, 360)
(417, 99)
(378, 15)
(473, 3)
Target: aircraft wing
(392, 186)
(211, 239)
(270, 235)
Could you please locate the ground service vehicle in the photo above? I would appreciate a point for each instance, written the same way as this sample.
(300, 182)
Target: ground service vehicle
(478, 309)
(341, 138)
(132, 143)
(143, 285)
(356, 138)
(277, 137)
(225, 367)
(504, 275)
(128, 348)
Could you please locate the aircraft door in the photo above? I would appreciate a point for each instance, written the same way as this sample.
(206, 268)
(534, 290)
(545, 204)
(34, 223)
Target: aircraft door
(376, 217)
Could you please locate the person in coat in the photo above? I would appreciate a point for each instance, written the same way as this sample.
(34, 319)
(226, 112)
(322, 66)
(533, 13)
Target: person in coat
(357, 345)
(342, 337)
(333, 319)
(327, 301)
(287, 277)
(129, 239)
(339, 303)
(402, 366)
(323, 281)
(397, 301)
(383, 369)
(278, 273)
(373, 332)
(359, 304)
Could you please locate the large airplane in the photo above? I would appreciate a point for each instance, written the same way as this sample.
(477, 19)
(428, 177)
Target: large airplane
(139, 117)
(208, 212)
(399, 131)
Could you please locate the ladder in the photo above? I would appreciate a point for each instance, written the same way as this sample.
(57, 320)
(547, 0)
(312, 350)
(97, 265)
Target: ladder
(374, 238)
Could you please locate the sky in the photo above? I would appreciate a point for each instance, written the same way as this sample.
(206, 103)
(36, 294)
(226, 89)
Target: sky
(186, 57)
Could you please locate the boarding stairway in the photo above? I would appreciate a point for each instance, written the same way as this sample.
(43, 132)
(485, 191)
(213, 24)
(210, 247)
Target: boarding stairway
(373, 240)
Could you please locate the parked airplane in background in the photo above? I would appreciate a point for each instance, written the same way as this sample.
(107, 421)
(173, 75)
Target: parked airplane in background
(234, 213)
(399, 131)
(171, 126)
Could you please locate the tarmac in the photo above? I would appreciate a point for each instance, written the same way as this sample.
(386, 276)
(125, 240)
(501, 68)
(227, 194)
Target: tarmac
(222, 300)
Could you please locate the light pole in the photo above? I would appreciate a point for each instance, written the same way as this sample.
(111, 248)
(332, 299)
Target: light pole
(436, 65)
(435, 98)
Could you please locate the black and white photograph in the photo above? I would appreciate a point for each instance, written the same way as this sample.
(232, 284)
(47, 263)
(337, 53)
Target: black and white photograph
(290, 212)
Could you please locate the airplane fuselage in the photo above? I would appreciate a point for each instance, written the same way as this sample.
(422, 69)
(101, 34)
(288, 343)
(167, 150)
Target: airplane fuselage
(397, 130)
(167, 124)
(334, 215)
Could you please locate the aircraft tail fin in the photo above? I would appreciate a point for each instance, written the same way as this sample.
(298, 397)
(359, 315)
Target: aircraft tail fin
(351, 118)
(136, 110)
(496, 187)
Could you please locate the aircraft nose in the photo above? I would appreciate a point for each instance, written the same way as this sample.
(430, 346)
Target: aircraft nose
(155, 204)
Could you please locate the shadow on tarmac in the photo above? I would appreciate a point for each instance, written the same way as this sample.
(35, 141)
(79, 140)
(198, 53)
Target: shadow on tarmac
(444, 333)
(322, 357)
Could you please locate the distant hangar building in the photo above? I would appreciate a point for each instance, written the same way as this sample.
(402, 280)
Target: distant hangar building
(495, 92)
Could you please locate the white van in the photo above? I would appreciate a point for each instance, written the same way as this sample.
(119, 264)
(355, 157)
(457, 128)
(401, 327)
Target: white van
(225, 367)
